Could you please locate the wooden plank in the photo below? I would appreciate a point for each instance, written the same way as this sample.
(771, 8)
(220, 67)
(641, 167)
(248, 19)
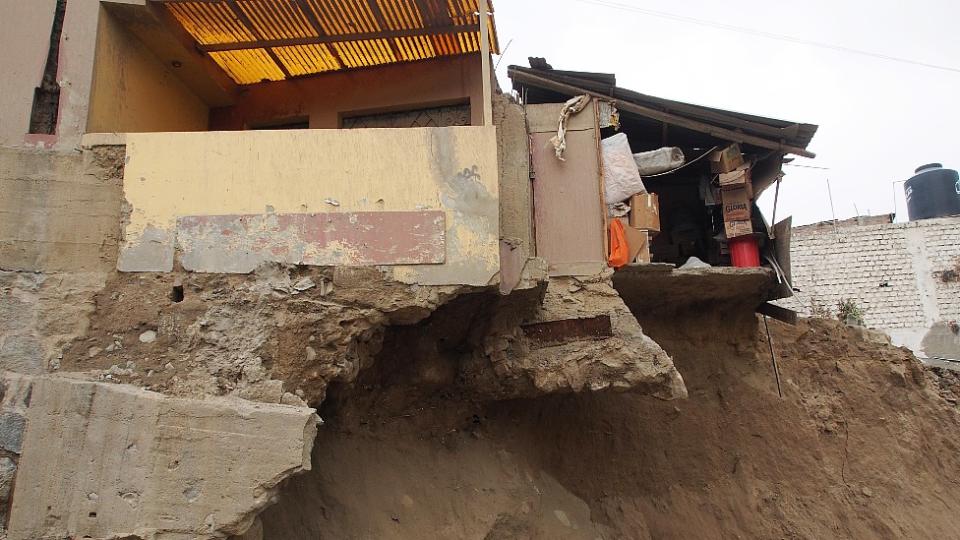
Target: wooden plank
(782, 234)
(604, 216)
(240, 243)
(545, 117)
(654, 114)
(557, 332)
(703, 113)
(567, 208)
(776, 312)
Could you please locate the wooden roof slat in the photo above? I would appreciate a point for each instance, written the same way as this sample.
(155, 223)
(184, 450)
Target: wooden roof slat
(382, 23)
(242, 15)
(354, 33)
(312, 20)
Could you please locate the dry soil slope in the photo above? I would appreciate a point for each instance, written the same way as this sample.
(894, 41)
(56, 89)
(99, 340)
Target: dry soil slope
(863, 445)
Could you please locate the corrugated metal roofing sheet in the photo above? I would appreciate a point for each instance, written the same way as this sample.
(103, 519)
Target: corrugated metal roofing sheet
(270, 40)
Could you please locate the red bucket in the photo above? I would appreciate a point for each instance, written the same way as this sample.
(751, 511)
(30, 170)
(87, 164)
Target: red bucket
(745, 252)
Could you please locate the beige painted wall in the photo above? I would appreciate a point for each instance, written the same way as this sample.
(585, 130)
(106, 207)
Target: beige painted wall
(133, 91)
(324, 98)
(455, 170)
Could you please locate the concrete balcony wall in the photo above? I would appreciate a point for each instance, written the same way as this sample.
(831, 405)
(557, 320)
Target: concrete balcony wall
(423, 203)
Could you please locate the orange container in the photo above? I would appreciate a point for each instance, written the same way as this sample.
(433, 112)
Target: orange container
(745, 251)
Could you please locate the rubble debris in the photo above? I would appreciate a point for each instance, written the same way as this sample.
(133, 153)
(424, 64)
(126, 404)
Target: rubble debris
(304, 284)
(512, 365)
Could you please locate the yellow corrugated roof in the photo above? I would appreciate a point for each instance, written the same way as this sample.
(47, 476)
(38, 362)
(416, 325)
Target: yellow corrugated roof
(271, 40)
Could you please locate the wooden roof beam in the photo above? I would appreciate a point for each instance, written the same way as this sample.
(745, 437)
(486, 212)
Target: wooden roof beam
(261, 44)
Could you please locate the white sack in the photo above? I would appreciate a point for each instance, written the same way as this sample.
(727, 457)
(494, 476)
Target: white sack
(621, 179)
(658, 161)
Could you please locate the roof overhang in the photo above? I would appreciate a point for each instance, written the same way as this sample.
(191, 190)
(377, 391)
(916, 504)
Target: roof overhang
(767, 133)
(256, 41)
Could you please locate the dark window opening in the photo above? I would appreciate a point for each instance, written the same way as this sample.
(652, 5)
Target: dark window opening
(46, 97)
(448, 116)
(289, 123)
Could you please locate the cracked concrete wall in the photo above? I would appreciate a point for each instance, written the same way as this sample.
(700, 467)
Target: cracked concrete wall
(59, 232)
(127, 462)
(60, 212)
(516, 193)
(453, 170)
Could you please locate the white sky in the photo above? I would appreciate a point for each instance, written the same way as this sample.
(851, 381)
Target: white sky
(878, 119)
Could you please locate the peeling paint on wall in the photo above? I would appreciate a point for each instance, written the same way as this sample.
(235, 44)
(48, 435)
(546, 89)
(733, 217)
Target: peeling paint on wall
(263, 175)
(239, 244)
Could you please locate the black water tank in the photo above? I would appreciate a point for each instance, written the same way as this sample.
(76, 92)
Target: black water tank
(934, 192)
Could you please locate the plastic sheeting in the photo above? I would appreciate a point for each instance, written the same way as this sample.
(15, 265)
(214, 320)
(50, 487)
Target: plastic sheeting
(621, 178)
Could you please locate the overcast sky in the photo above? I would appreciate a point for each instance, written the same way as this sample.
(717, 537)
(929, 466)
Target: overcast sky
(878, 119)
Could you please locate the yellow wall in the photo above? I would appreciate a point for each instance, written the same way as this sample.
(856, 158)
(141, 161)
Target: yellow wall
(169, 175)
(133, 91)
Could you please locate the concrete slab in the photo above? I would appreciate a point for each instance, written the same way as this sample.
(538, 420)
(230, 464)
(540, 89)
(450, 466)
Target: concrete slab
(111, 461)
(661, 287)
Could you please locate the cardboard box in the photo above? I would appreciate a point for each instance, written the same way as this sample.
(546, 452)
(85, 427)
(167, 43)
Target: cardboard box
(736, 178)
(737, 204)
(645, 212)
(639, 243)
(737, 228)
(726, 160)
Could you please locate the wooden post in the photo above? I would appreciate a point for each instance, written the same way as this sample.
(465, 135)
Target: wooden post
(485, 64)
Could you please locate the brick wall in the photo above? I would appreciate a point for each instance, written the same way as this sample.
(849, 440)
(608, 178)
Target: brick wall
(893, 270)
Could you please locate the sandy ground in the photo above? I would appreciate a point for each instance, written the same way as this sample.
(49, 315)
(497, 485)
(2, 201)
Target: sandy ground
(864, 444)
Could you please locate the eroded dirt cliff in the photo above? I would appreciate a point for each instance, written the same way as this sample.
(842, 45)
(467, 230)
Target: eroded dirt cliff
(864, 444)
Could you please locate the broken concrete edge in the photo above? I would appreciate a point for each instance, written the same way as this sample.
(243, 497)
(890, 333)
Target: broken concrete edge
(92, 140)
(231, 454)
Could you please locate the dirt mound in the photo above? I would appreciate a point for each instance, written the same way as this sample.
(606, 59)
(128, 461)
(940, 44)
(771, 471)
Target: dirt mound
(862, 445)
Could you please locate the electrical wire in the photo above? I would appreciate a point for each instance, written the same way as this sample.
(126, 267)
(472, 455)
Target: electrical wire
(763, 34)
(807, 166)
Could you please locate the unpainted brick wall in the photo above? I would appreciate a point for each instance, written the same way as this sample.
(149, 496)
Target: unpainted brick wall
(886, 268)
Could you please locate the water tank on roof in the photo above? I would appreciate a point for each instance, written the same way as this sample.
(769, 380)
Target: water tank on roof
(934, 192)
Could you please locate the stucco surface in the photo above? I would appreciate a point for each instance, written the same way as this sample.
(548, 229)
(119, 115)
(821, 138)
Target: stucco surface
(133, 91)
(453, 170)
